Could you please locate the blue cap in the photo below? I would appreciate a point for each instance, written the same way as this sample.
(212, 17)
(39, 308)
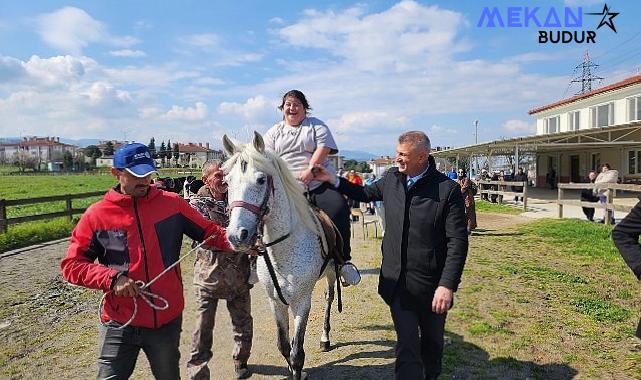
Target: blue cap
(136, 159)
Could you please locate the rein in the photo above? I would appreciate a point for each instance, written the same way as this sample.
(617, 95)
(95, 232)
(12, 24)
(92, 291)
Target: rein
(144, 294)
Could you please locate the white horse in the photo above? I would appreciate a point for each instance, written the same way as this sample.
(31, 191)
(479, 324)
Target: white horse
(266, 204)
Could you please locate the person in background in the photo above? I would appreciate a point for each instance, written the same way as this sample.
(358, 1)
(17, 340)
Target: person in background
(219, 276)
(135, 232)
(468, 199)
(607, 175)
(588, 196)
(520, 176)
(371, 206)
(452, 174)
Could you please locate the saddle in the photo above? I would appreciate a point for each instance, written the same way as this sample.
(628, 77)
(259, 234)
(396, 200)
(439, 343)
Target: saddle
(332, 237)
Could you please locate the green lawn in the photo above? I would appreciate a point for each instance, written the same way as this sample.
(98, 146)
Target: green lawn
(21, 187)
(485, 206)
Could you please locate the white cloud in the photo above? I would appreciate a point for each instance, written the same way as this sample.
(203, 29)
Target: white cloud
(253, 109)
(128, 53)
(276, 20)
(205, 41)
(196, 113)
(404, 36)
(519, 126)
(238, 59)
(72, 29)
(209, 81)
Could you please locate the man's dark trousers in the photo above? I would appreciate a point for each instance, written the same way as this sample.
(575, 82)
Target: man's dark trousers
(419, 340)
(119, 349)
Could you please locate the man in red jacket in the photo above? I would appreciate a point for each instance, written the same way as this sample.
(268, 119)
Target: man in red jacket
(136, 232)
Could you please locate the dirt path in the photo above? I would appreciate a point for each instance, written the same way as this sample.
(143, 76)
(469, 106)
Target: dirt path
(48, 326)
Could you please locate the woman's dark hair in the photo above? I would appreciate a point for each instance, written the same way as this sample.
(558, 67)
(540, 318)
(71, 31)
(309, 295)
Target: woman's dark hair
(298, 95)
(607, 166)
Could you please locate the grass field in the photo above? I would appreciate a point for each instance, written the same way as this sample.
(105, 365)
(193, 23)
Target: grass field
(21, 187)
(545, 299)
(484, 206)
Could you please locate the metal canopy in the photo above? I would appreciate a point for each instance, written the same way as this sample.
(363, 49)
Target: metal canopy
(622, 135)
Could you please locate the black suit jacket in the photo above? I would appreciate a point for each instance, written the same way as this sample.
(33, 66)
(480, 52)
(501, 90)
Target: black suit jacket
(425, 243)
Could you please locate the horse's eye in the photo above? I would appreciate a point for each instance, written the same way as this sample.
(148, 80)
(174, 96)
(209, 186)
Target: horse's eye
(243, 166)
(261, 180)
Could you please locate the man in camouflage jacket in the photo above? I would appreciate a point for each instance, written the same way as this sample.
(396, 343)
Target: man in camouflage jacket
(219, 276)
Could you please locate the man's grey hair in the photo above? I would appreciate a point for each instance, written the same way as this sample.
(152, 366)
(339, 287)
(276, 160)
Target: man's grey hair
(209, 163)
(417, 138)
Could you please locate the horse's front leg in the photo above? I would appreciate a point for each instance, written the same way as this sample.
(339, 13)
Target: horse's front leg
(282, 329)
(301, 315)
(329, 299)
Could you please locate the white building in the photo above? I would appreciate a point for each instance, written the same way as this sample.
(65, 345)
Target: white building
(46, 151)
(573, 136)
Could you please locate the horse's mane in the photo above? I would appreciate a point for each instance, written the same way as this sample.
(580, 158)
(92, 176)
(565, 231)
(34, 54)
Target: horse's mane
(271, 164)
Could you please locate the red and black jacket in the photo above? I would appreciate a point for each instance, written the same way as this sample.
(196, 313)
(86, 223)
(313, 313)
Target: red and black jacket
(140, 237)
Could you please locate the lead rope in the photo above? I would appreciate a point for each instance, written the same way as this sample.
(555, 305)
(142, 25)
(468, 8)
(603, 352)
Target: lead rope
(144, 294)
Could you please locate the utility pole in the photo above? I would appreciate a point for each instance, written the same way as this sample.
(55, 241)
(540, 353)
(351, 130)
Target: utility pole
(476, 141)
(587, 77)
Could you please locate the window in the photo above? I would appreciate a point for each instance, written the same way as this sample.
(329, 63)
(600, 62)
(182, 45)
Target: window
(602, 115)
(634, 108)
(573, 120)
(551, 124)
(596, 162)
(634, 162)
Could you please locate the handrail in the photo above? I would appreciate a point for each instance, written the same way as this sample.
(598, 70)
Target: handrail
(69, 210)
(608, 206)
(488, 191)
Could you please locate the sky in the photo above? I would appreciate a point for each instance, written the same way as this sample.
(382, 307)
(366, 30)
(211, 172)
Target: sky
(192, 71)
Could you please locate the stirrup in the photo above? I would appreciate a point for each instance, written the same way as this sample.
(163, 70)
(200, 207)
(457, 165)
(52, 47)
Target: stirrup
(349, 274)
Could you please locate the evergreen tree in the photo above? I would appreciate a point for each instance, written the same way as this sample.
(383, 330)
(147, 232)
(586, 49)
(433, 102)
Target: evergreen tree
(176, 153)
(168, 152)
(162, 153)
(109, 148)
(152, 148)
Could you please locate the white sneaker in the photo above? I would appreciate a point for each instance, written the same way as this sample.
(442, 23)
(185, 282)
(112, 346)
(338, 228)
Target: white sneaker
(253, 273)
(350, 274)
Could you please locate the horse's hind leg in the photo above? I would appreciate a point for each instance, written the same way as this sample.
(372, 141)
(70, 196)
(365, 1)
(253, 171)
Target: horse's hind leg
(329, 299)
(282, 326)
(301, 315)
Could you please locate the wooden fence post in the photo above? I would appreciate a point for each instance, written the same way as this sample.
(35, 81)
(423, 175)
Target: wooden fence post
(559, 203)
(609, 214)
(69, 208)
(525, 196)
(3, 216)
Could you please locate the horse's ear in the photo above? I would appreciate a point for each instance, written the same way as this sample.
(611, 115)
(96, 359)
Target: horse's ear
(229, 146)
(258, 142)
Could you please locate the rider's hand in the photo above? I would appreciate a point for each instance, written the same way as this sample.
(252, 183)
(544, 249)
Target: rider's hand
(306, 176)
(125, 287)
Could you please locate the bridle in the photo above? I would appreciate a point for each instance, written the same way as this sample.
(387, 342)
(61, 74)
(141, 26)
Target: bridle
(261, 213)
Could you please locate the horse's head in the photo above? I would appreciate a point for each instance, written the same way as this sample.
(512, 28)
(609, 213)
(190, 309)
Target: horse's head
(250, 192)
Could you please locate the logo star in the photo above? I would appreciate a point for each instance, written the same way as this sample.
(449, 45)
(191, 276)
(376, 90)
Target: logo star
(606, 15)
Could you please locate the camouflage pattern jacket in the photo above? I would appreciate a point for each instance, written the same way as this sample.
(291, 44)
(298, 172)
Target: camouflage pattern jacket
(223, 274)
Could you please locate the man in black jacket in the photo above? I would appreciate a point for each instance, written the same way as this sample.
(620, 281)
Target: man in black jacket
(626, 238)
(424, 251)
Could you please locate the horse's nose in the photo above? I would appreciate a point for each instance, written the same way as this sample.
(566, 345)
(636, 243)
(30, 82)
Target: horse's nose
(243, 234)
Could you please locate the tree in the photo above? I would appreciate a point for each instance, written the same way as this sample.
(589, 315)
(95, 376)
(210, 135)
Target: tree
(168, 152)
(162, 153)
(93, 152)
(358, 166)
(109, 148)
(67, 160)
(23, 160)
(152, 148)
(176, 153)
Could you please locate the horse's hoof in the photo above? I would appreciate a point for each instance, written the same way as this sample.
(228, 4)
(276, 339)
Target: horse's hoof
(303, 376)
(325, 346)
